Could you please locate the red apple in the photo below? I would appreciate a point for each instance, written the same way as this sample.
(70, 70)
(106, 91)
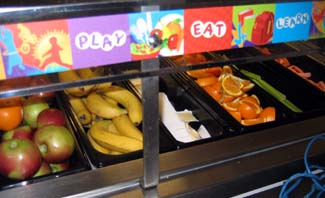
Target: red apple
(44, 169)
(58, 167)
(31, 108)
(20, 158)
(42, 80)
(56, 143)
(51, 116)
(21, 132)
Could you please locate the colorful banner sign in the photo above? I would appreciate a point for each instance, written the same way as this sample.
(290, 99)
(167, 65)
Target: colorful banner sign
(99, 40)
(35, 48)
(317, 26)
(159, 33)
(292, 24)
(253, 25)
(207, 29)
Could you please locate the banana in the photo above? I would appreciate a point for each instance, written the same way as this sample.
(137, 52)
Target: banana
(127, 99)
(98, 105)
(127, 128)
(112, 128)
(80, 110)
(86, 73)
(98, 147)
(103, 86)
(110, 100)
(99, 131)
(115, 153)
(72, 76)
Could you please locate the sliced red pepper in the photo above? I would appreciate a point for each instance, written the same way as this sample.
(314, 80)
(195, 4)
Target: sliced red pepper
(295, 69)
(283, 61)
(321, 85)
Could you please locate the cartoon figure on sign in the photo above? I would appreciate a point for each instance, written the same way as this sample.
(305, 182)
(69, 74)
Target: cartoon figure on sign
(27, 38)
(52, 50)
(53, 54)
(10, 50)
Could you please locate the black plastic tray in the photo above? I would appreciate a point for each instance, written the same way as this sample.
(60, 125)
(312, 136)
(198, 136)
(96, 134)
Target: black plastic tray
(78, 161)
(305, 63)
(309, 99)
(181, 100)
(98, 159)
(232, 126)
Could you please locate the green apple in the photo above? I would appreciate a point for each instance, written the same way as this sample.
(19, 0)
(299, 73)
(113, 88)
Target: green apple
(31, 108)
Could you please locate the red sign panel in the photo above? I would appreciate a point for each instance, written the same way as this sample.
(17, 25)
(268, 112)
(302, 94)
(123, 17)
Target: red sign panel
(207, 29)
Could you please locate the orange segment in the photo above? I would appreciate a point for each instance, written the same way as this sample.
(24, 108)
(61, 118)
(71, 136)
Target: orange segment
(200, 73)
(248, 87)
(268, 114)
(206, 81)
(231, 106)
(254, 121)
(250, 99)
(232, 85)
(236, 115)
(226, 69)
(214, 70)
(213, 91)
(247, 110)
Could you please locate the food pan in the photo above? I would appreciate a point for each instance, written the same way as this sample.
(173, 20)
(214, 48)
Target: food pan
(282, 114)
(98, 159)
(311, 102)
(303, 67)
(77, 162)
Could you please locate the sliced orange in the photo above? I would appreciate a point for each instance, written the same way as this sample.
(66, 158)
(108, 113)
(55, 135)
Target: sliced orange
(247, 110)
(254, 121)
(248, 87)
(231, 106)
(250, 99)
(200, 73)
(268, 114)
(206, 81)
(226, 69)
(213, 92)
(236, 115)
(214, 70)
(232, 85)
(227, 98)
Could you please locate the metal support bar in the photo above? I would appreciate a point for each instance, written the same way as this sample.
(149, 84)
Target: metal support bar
(150, 125)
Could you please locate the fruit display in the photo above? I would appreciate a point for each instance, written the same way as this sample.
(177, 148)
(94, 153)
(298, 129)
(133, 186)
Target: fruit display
(37, 137)
(231, 92)
(109, 114)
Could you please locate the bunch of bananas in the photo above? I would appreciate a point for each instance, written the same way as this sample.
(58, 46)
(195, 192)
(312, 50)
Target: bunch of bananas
(110, 112)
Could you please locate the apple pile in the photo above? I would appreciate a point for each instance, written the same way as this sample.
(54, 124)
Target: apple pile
(40, 145)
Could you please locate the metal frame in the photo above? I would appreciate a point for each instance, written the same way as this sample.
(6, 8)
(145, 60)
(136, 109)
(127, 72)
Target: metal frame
(173, 168)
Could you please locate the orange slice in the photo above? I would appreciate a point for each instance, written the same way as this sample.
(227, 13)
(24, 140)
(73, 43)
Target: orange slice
(213, 91)
(232, 85)
(226, 69)
(247, 110)
(248, 87)
(200, 73)
(254, 121)
(231, 106)
(236, 115)
(227, 98)
(206, 81)
(268, 114)
(250, 99)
